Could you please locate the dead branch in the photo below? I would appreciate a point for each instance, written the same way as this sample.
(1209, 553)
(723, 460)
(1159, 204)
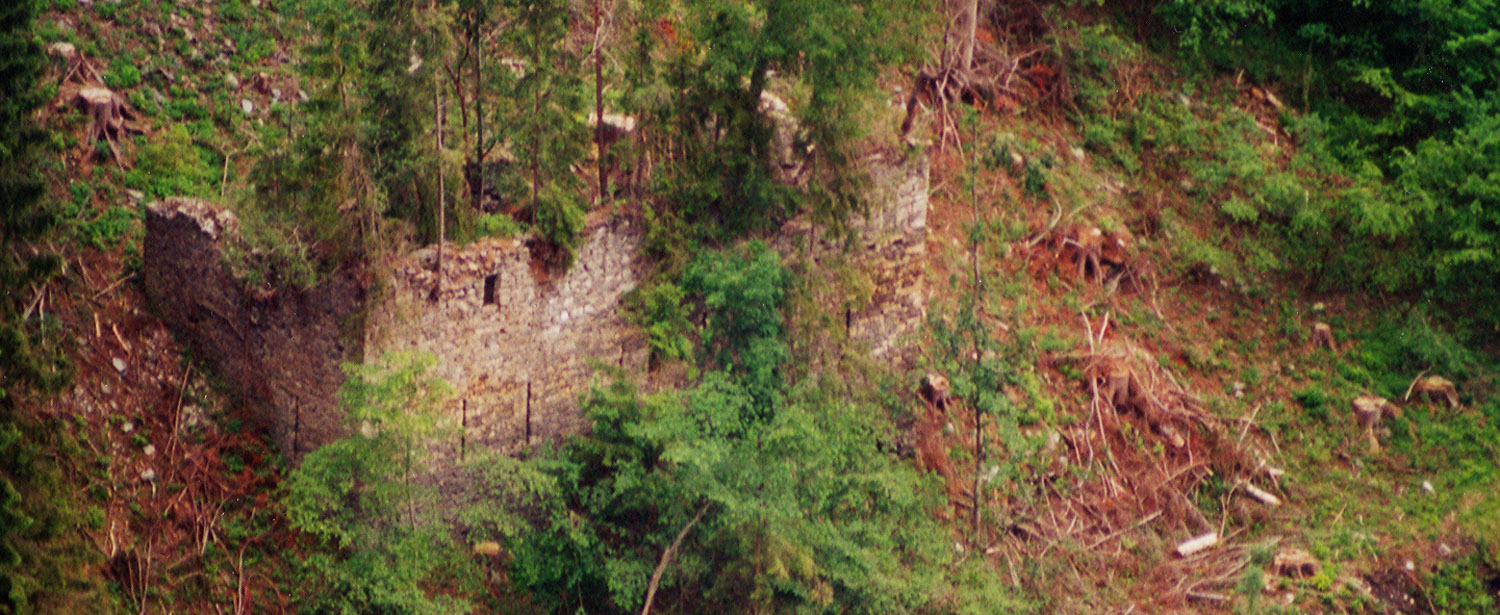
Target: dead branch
(666, 556)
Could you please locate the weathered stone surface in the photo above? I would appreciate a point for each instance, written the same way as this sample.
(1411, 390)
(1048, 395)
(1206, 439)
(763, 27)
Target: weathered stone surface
(515, 343)
(518, 343)
(889, 243)
(280, 350)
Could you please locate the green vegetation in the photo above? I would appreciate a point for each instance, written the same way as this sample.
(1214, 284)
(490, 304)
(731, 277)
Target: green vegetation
(1254, 158)
(364, 498)
(762, 493)
(721, 152)
(39, 553)
(1400, 99)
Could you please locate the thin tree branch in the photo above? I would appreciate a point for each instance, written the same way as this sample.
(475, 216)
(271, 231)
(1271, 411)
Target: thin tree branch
(666, 556)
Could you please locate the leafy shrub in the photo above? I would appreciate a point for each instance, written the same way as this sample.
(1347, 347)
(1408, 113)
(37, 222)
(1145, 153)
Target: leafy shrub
(659, 308)
(108, 228)
(497, 225)
(1396, 350)
(1315, 401)
(1456, 588)
(798, 512)
(559, 220)
(1402, 98)
(362, 498)
(123, 74)
(743, 291)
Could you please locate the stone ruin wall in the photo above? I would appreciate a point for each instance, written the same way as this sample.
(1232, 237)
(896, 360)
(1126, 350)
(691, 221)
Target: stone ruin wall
(516, 343)
(280, 350)
(888, 245)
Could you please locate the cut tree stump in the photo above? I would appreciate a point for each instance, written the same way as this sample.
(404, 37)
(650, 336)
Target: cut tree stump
(935, 389)
(1323, 336)
(1295, 563)
(108, 114)
(1370, 410)
(1437, 389)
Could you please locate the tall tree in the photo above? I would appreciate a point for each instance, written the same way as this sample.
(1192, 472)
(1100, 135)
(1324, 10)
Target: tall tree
(968, 29)
(710, 63)
(365, 499)
(407, 40)
(543, 118)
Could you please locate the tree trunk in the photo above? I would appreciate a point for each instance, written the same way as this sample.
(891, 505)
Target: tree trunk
(599, 102)
(666, 556)
(536, 150)
(477, 40)
(967, 29)
(437, 120)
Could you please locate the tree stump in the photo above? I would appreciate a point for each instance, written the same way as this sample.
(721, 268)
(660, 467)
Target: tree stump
(935, 389)
(1437, 389)
(1370, 410)
(1323, 336)
(107, 113)
(1295, 563)
(1116, 248)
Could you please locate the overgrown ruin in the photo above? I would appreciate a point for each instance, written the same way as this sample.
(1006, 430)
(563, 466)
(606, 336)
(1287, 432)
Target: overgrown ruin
(517, 342)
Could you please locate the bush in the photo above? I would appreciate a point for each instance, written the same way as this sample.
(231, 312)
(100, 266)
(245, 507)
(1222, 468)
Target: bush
(659, 308)
(559, 220)
(123, 74)
(364, 499)
(497, 225)
(743, 291)
(800, 512)
(1315, 401)
(171, 165)
(1396, 350)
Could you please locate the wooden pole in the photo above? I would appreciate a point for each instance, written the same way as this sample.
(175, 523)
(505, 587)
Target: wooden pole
(437, 120)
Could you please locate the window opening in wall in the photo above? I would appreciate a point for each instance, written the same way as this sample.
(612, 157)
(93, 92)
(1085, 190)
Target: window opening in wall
(463, 434)
(528, 414)
(489, 288)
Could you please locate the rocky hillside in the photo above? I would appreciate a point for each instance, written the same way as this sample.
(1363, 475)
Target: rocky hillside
(1179, 352)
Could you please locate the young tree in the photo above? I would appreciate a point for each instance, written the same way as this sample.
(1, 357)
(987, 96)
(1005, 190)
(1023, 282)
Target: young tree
(365, 498)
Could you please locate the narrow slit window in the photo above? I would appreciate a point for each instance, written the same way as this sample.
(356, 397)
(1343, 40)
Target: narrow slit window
(489, 288)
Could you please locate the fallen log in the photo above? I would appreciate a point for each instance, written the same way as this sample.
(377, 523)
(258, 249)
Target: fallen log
(1197, 544)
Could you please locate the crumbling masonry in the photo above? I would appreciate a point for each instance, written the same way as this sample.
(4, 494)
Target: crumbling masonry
(517, 343)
